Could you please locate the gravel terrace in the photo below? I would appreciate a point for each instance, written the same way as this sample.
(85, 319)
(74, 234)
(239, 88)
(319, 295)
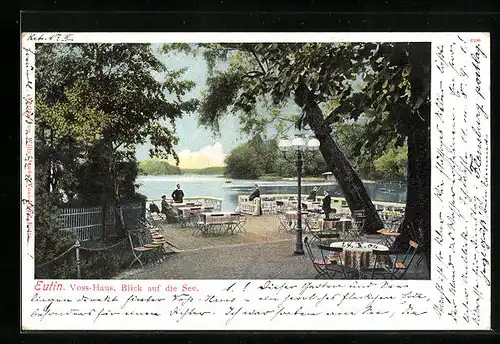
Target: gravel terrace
(262, 252)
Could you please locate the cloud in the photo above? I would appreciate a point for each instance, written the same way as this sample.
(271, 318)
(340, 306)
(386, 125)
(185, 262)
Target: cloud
(207, 156)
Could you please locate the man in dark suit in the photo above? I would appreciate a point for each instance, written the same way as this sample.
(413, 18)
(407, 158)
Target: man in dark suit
(326, 206)
(178, 194)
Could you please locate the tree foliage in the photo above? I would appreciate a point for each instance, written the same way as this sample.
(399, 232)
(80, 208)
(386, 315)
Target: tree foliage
(392, 164)
(94, 104)
(391, 102)
(243, 163)
(257, 158)
(101, 100)
(157, 167)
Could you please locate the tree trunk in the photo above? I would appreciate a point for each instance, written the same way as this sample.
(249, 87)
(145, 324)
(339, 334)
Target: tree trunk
(351, 185)
(416, 224)
(115, 189)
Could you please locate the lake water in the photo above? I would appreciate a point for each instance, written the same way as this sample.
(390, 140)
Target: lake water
(208, 185)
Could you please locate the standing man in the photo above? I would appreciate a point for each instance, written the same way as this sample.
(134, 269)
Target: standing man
(256, 195)
(326, 206)
(178, 194)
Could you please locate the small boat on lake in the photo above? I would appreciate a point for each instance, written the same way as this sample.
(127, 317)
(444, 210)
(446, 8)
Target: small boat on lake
(229, 181)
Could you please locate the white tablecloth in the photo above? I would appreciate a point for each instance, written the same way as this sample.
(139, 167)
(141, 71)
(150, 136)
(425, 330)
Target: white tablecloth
(358, 254)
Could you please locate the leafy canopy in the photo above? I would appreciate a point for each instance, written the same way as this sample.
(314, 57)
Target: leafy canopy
(111, 92)
(374, 84)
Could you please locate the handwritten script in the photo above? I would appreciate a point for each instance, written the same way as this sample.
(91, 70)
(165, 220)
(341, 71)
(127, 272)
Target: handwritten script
(28, 118)
(460, 181)
(236, 302)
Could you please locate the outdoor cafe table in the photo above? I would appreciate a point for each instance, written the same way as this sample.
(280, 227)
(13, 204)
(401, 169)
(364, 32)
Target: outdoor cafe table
(176, 206)
(342, 224)
(358, 255)
(291, 216)
(312, 205)
(191, 214)
(219, 222)
(188, 211)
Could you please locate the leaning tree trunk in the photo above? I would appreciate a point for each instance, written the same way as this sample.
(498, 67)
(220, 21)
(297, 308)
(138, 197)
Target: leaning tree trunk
(351, 185)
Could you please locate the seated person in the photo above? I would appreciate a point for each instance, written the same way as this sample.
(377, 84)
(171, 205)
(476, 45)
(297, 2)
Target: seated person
(167, 209)
(312, 195)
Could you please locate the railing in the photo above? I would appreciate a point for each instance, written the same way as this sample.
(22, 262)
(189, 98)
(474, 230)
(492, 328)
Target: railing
(88, 223)
(290, 201)
(84, 223)
(77, 261)
(245, 206)
(206, 201)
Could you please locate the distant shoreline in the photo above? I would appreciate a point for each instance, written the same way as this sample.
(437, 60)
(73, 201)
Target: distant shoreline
(267, 178)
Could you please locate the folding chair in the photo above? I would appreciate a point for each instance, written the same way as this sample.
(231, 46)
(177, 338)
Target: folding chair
(399, 266)
(272, 206)
(319, 262)
(182, 220)
(389, 232)
(355, 231)
(194, 216)
(280, 206)
(150, 222)
(284, 223)
(313, 223)
(137, 245)
(154, 210)
(326, 237)
(216, 225)
(200, 227)
(334, 256)
(240, 224)
(156, 241)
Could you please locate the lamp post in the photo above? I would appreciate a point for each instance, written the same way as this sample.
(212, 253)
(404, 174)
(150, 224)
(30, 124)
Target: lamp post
(299, 144)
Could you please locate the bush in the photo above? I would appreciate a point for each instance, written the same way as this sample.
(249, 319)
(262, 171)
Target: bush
(94, 264)
(49, 240)
(105, 264)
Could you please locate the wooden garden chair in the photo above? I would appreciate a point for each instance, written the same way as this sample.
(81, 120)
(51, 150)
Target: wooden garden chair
(383, 267)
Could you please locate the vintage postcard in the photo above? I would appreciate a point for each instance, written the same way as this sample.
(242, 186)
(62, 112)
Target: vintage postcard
(255, 181)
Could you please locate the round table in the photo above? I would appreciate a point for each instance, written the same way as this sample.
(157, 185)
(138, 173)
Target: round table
(358, 254)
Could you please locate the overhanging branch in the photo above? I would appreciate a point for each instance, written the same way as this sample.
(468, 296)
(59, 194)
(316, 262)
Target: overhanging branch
(258, 60)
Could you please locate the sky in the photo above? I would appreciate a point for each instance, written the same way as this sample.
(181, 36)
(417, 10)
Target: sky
(198, 147)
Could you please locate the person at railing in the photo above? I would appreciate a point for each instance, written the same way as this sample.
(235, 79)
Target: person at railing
(178, 194)
(256, 195)
(167, 209)
(312, 195)
(327, 204)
